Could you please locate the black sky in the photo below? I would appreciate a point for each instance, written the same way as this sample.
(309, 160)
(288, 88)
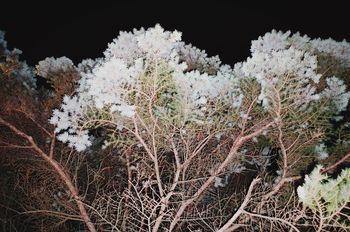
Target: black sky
(83, 30)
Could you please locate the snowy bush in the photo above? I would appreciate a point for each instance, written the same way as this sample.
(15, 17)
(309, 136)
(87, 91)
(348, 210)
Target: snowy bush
(52, 65)
(277, 40)
(117, 83)
(162, 137)
(133, 63)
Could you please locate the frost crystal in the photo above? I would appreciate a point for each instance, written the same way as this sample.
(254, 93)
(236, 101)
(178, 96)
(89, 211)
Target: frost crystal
(125, 46)
(280, 63)
(22, 72)
(197, 89)
(2, 37)
(220, 182)
(311, 186)
(87, 65)
(26, 74)
(106, 83)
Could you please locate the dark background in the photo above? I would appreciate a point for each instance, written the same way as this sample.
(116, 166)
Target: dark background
(83, 30)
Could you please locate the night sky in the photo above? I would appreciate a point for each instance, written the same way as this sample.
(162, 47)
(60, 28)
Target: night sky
(83, 31)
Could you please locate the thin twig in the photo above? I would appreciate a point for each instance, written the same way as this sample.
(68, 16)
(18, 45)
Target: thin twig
(229, 223)
(272, 219)
(58, 169)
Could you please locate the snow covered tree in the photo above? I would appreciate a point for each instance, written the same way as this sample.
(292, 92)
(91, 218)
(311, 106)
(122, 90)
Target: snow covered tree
(185, 128)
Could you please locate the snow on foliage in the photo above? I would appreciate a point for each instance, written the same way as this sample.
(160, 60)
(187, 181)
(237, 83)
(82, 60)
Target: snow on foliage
(109, 82)
(23, 72)
(67, 120)
(154, 42)
(339, 50)
(54, 65)
(270, 68)
(193, 82)
(271, 41)
(277, 40)
(336, 93)
(27, 74)
(197, 59)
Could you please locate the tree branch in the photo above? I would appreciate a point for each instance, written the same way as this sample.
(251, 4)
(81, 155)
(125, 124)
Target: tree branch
(233, 151)
(241, 208)
(58, 169)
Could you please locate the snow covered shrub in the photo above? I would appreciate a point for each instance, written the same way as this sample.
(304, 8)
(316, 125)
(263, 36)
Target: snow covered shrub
(189, 87)
(34, 169)
(277, 40)
(185, 115)
(196, 145)
(146, 73)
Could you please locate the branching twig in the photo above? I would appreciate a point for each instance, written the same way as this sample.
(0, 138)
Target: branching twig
(336, 164)
(239, 141)
(229, 223)
(272, 219)
(58, 169)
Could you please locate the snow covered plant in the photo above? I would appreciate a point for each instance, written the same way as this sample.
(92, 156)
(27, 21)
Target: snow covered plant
(178, 116)
(330, 55)
(147, 72)
(305, 59)
(181, 130)
(15, 68)
(291, 72)
(152, 73)
(327, 198)
(277, 40)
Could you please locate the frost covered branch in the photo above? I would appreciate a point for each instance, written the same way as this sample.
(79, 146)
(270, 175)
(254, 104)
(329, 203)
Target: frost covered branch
(185, 136)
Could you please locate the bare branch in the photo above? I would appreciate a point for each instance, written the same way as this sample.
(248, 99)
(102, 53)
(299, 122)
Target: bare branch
(272, 219)
(59, 170)
(233, 152)
(336, 164)
(240, 210)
